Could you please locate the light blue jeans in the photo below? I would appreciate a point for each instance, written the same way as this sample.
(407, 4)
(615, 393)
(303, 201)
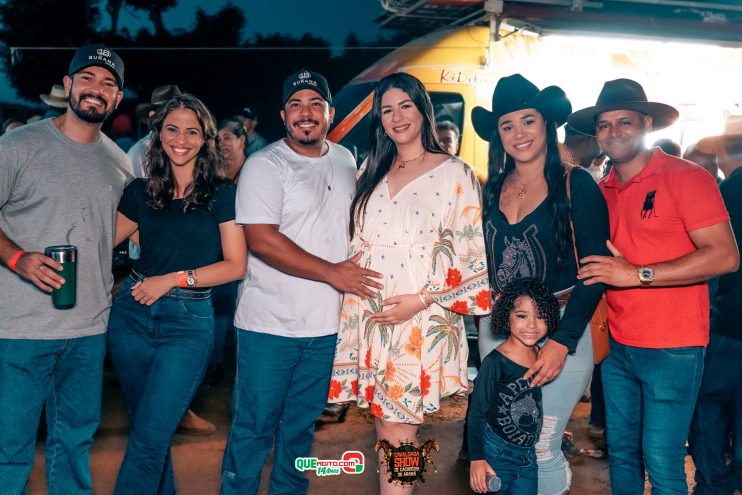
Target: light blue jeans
(559, 398)
(67, 376)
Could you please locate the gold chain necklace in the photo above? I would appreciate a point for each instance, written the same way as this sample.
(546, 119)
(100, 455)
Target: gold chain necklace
(403, 163)
(523, 191)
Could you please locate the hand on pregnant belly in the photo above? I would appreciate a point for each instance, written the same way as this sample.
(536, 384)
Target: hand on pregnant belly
(347, 276)
(399, 309)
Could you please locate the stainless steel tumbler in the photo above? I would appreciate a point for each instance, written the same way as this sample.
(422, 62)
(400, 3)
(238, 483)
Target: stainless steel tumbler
(66, 255)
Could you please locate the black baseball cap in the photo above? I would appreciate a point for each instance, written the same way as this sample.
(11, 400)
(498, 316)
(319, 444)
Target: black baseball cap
(98, 56)
(306, 79)
(249, 113)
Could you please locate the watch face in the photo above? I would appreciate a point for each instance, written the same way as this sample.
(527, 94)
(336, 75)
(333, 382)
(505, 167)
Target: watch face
(646, 274)
(190, 281)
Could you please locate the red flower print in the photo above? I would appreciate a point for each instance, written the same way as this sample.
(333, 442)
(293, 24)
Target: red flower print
(453, 279)
(376, 410)
(424, 383)
(335, 389)
(367, 360)
(484, 300)
(369, 393)
(354, 387)
(460, 307)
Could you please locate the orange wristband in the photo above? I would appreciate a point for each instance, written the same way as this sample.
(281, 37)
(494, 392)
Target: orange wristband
(182, 279)
(14, 259)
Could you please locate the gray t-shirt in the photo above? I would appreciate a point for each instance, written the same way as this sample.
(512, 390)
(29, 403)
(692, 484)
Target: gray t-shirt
(309, 199)
(56, 191)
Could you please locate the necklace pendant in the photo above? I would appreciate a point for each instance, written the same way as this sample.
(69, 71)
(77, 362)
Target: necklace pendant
(401, 165)
(522, 193)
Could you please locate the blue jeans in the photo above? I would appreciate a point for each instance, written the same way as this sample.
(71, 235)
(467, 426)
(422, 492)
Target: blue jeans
(719, 407)
(160, 354)
(515, 466)
(649, 399)
(67, 376)
(280, 390)
(224, 299)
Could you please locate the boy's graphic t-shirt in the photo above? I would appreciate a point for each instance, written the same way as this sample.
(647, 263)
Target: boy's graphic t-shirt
(506, 401)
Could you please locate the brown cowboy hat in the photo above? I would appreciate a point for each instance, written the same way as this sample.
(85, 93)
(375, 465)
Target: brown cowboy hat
(515, 92)
(622, 94)
(713, 145)
(159, 97)
(56, 97)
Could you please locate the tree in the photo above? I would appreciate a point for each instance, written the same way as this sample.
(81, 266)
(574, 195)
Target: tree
(113, 7)
(224, 28)
(154, 9)
(38, 24)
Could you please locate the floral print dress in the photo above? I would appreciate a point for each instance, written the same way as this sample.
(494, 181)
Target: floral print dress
(428, 235)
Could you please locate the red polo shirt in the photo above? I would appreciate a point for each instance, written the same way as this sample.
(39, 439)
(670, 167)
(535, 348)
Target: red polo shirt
(650, 218)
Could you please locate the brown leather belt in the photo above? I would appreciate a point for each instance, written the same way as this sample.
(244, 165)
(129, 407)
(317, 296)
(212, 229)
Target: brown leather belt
(563, 297)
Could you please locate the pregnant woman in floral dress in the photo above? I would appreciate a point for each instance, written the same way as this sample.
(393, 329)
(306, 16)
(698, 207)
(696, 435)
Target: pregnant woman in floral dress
(416, 218)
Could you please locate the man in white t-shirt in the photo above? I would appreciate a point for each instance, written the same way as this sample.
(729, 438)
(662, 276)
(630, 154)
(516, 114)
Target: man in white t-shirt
(293, 200)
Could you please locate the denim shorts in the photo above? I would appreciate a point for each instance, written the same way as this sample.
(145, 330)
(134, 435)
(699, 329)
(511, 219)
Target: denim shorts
(514, 465)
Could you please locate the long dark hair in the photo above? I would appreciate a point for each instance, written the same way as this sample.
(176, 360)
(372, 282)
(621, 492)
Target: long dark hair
(383, 150)
(160, 184)
(501, 164)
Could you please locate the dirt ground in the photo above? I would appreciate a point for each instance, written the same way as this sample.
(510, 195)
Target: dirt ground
(198, 459)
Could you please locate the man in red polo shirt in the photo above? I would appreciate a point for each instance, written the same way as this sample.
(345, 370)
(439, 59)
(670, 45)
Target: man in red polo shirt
(670, 233)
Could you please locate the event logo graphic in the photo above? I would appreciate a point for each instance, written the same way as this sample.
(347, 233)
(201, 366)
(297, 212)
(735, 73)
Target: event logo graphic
(406, 463)
(351, 462)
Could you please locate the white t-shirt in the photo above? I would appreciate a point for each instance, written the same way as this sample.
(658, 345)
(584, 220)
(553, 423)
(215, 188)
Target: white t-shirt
(309, 199)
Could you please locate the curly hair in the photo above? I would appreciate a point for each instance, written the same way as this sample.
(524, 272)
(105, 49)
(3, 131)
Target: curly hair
(160, 183)
(546, 305)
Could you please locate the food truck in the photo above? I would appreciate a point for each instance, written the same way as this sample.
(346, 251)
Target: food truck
(460, 67)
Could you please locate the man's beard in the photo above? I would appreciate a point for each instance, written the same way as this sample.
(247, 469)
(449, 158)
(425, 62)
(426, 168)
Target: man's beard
(301, 136)
(91, 116)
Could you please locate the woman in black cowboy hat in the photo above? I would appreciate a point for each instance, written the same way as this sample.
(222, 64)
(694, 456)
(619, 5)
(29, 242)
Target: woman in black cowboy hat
(527, 215)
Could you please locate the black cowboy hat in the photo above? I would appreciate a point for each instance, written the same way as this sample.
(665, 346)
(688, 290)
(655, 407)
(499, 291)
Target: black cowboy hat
(516, 93)
(160, 96)
(623, 94)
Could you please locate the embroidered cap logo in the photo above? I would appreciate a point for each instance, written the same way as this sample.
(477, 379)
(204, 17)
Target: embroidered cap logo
(103, 52)
(305, 75)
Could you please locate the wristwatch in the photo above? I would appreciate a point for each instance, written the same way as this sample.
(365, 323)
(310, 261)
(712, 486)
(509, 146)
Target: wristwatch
(645, 274)
(191, 279)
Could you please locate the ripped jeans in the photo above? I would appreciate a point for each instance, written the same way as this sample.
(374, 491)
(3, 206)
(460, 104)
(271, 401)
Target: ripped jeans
(559, 398)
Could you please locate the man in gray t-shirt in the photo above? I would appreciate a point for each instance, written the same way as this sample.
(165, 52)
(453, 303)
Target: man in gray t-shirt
(60, 183)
